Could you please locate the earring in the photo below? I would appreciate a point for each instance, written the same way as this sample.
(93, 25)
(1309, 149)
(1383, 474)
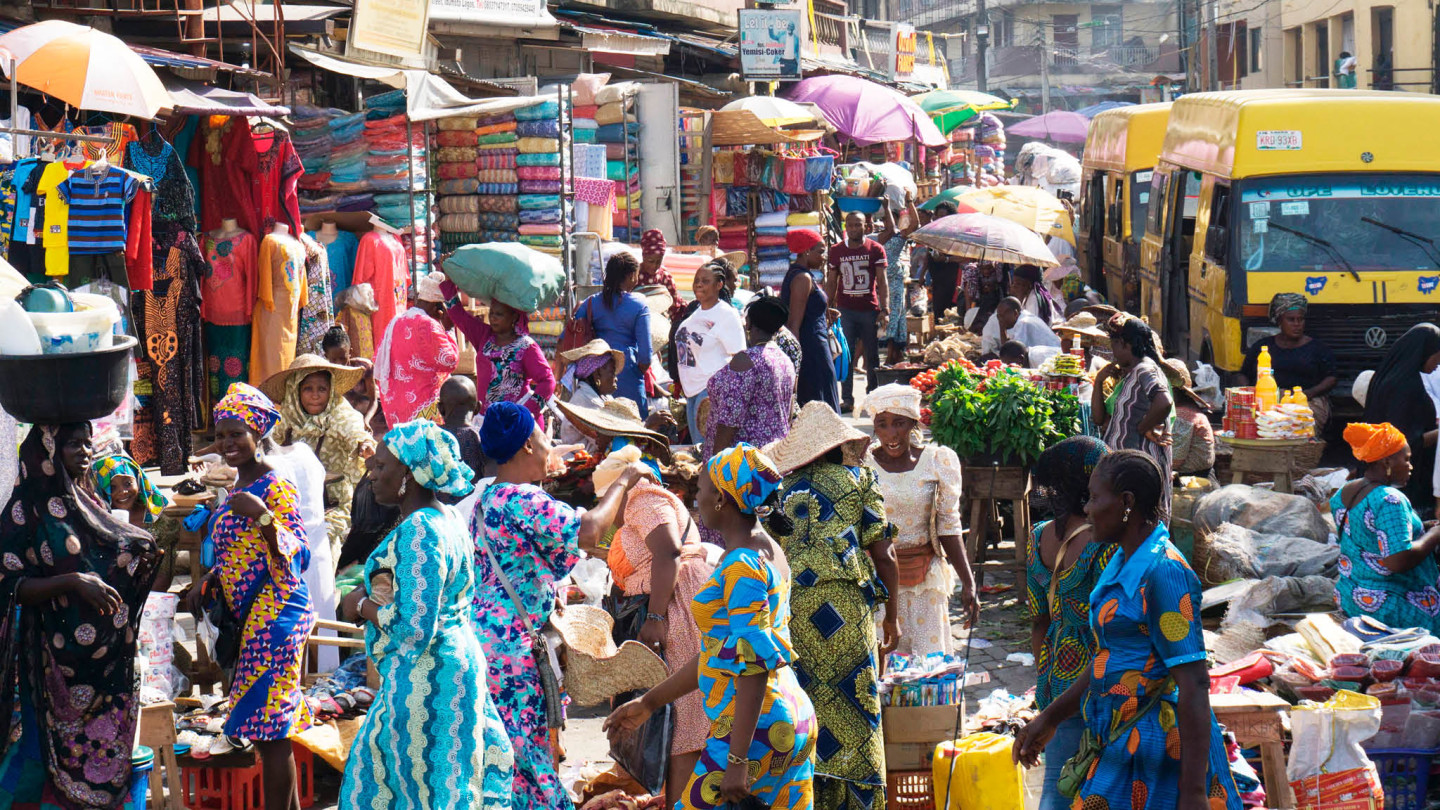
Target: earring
(257, 454)
(403, 483)
(1126, 517)
(719, 505)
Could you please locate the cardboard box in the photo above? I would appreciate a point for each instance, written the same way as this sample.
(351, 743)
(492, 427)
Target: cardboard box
(912, 732)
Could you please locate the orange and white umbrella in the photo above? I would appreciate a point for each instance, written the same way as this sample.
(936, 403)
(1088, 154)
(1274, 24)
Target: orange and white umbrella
(83, 67)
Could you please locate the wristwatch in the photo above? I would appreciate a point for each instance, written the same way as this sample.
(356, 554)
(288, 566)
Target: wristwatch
(267, 518)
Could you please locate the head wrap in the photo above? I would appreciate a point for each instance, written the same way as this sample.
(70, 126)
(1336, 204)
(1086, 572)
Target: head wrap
(801, 240)
(1287, 302)
(433, 456)
(107, 468)
(506, 428)
(428, 288)
(1373, 442)
(248, 405)
(901, 400)
(590, 364)
(745, 474)
(652, 243)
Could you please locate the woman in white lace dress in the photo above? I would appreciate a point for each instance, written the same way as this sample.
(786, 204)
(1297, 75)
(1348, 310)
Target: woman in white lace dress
(921, 485)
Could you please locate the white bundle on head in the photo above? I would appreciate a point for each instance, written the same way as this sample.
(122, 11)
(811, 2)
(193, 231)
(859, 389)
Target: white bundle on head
(612, 466)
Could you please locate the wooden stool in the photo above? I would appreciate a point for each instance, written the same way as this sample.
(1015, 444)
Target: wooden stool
(157, 732)
(1257, 719)
(1265, 457)
(984, 488)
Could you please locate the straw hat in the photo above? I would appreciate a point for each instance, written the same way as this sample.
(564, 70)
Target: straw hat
(1101, 312)
(1180, 381)
(595, 669)
(342, 378)
(595, 348)
(817, 431)
(1083, 323)
(618, 417)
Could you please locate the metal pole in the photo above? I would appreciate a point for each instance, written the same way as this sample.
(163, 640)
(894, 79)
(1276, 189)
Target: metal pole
(14, 111)
(410, 187)
(1044, 73)
(982, 39)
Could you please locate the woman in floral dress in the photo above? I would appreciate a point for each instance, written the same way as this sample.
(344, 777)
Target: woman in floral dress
(78, 578)
(921, 485)
(517, 370)
(260, 560)
(752, 399)
(763, 729)
(415, 599)
(529, 540)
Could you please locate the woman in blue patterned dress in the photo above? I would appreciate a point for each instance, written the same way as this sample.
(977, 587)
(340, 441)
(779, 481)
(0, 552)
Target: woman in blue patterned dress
(529, 540)
(762, 722)
(1387, 559)
(1146, 695)
(450, 748)
(260, 561)
(1061, 571)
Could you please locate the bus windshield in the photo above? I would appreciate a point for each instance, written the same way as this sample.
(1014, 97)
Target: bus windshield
(1310, 223)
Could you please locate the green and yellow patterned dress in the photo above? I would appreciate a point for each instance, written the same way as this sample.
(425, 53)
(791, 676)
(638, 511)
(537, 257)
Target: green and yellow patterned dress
(838, 513)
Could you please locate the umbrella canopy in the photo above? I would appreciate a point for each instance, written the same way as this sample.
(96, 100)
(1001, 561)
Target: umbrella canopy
(866, 112)
(951, 108)
(1095, 109)
(83, 67)
(987, 238)
(1035, 208)
(950, 195)
(1060, 126)
(774, 111)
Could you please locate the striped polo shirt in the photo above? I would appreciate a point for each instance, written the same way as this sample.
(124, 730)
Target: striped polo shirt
(97, 196)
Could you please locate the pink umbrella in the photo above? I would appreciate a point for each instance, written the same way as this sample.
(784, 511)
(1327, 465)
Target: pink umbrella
(1060, 126)
(866, 112)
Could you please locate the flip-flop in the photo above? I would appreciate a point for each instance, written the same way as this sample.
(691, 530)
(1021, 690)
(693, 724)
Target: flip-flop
(346, 703)
(221, 746)
(363, 695)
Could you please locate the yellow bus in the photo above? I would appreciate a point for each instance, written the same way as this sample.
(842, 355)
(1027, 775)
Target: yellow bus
(1120, 151)
(1330, 193)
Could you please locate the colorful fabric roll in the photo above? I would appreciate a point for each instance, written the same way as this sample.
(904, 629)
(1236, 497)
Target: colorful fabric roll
(538, 159)
(539, 216)
(497, 137)
(454, 171)
(531, 201)
(456, 154)
(455, 138)
(538, 129)
(541, 186)
(538, 112)
(540, 230)
(538, 173)
(538, 145)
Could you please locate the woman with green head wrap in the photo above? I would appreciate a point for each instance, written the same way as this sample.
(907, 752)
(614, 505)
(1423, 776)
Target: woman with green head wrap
(1298, 360)
(121, 483)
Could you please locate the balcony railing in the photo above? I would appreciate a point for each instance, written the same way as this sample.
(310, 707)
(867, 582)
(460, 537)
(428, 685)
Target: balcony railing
(932, 12)
(831, 29)
(1024, 60)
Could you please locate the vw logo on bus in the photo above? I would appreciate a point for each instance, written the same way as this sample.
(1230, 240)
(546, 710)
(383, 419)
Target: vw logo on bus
(1375, 337)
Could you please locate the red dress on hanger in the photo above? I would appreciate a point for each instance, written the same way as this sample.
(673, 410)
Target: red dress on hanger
(266, 166)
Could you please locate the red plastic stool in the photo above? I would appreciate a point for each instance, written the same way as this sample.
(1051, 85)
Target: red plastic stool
(208, 787)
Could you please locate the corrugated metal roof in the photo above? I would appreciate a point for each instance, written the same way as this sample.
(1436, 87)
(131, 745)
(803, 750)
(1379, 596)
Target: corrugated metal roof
(159, 57)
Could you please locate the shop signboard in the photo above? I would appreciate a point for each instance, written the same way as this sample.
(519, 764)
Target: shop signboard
(904, 40)
(392, 27)
(770, 44)
(512, 13)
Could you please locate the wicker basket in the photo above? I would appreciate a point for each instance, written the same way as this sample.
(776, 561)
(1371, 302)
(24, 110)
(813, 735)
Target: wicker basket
(595, 669)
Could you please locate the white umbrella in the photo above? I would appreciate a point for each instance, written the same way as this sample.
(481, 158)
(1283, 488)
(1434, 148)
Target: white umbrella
(778, 112)
(83, 67)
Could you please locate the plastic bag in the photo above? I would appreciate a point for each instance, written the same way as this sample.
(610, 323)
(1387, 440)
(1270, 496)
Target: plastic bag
(1274, 595)
(1234, 552)
(644, 753)
(1333, 731)
(1262, 511)
(840, 349)
(1207, 385)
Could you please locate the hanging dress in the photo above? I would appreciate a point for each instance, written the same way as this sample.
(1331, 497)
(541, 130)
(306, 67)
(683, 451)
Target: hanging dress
(282, 292)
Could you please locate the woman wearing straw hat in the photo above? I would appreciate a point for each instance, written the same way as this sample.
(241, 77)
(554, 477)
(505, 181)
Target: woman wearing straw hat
(921, 485)
(659, 564)
(762, 730)
(842, 565)
(314, 411)
(1193, 448)
(416, 600)
(1387, 558)
(525, 542)
(590, 375)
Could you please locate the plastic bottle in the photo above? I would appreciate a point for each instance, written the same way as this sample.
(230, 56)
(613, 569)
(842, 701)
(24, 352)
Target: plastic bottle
(1297, 397)
(1076, 348)
(1267, 393)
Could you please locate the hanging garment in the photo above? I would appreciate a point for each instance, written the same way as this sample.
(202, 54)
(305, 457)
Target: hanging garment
(171, 367)
(281, 292)
(318, 312)
(383, 263)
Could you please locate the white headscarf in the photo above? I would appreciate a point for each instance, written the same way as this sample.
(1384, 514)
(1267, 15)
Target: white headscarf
(901, 400)
(427, 288)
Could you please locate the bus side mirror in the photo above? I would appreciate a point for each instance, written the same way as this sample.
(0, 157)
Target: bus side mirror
(1216, 241)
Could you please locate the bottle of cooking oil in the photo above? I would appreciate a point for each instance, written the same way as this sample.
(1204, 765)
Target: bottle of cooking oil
(1267, 393)
(1297, 397)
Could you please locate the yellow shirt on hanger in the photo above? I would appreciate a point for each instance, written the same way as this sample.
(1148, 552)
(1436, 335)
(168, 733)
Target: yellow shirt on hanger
(56, 238)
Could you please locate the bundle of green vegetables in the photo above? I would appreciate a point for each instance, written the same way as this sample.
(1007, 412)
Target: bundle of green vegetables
(997, 411)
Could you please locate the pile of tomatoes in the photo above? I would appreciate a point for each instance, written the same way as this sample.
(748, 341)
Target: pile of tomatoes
(924, 382)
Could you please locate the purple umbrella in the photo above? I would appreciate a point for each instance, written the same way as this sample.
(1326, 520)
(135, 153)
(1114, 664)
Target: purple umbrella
(1060, 126)
(866, 112)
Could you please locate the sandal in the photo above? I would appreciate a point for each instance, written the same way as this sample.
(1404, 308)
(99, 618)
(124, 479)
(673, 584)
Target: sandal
(363, 695)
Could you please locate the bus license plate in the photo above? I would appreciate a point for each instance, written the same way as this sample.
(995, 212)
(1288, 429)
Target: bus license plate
(1277, 140)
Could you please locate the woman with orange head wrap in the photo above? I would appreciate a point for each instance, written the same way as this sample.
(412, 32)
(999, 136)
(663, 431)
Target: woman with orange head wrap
(1387, 565)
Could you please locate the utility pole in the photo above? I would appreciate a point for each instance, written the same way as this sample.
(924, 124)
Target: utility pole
(982, 40)
(1212, 44)
(1044, 71)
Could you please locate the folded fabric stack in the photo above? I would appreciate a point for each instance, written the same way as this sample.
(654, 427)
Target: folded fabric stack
(539, 177)
(692, 144)
(390, 155)
(618, 129)
(325, 139)
(476, 161)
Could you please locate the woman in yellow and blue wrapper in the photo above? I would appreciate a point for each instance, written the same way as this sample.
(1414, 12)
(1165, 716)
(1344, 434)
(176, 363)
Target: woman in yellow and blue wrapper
(763, 724)
(1146, 695)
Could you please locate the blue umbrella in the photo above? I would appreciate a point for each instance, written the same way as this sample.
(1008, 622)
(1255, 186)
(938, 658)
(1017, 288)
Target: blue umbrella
(1095, 109)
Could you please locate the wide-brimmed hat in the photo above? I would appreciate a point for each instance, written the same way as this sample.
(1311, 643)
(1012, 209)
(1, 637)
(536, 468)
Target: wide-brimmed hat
(1083, 323)
(618, 417)
(595, 348)
(817, 430)
(1181, 382)
(342, 378)
(595, 668)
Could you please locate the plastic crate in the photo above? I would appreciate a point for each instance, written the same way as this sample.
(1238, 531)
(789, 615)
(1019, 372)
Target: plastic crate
(211, 787)
(1404, 775)
(910, 790)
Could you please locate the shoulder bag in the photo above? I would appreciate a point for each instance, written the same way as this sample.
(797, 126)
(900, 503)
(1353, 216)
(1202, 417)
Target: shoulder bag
(578, 331)
(539, 642)
(1077, 769)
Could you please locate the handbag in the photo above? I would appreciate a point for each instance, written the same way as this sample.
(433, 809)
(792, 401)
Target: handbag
(539, 646)
(1077, 768)
(229, 629)
(578, 331)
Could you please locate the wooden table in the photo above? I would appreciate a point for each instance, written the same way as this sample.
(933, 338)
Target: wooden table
(984, 487)
(1264, 457)
(1257, 719)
